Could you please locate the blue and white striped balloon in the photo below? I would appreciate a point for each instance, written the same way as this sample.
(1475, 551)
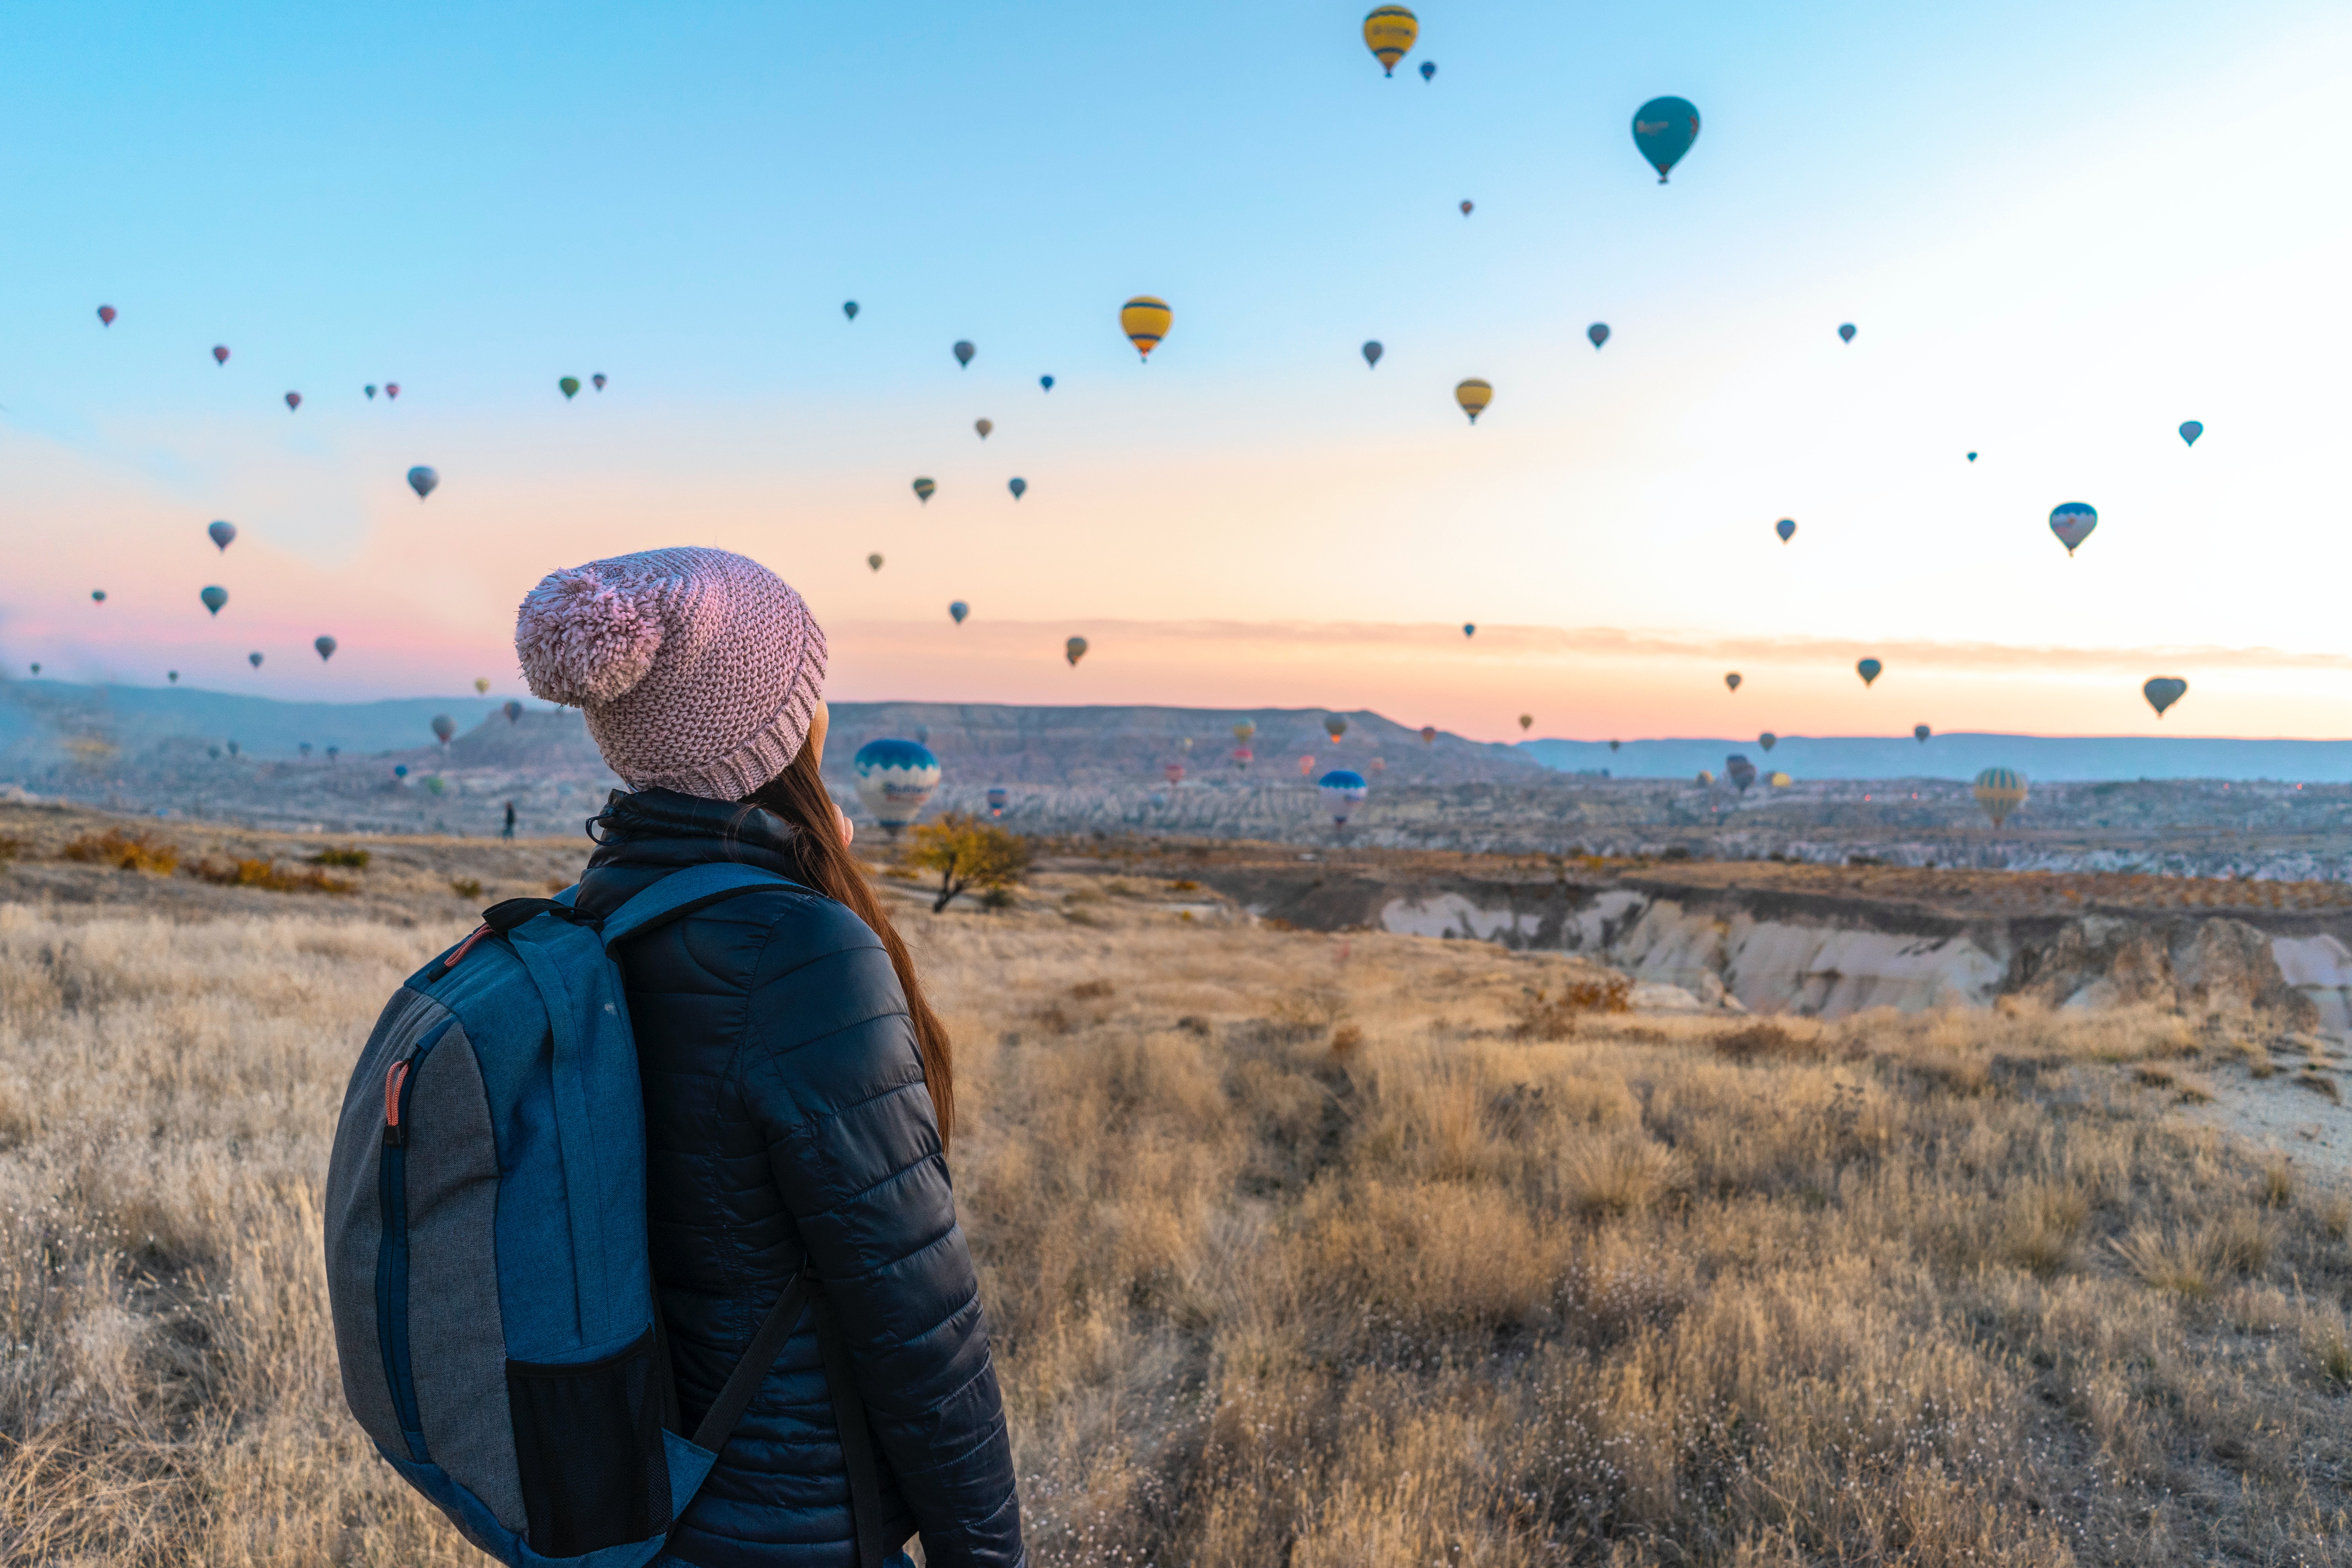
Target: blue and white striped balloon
(896, 779)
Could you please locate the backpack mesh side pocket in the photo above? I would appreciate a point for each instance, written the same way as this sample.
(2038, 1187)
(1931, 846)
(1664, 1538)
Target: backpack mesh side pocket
(588, 1441)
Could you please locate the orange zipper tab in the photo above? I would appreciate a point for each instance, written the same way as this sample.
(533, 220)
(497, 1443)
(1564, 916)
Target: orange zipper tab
(392, 1082)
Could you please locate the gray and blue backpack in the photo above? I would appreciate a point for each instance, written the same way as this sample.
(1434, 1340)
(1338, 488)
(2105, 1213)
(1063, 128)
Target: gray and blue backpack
(486, 1248)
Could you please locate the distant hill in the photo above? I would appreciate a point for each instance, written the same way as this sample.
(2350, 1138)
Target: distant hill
(36, 715)
(2046, 759)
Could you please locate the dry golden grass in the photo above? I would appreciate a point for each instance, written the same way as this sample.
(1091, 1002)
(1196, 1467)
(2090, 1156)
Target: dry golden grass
(1297, 1252)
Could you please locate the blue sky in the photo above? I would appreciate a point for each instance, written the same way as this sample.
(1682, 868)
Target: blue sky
(2060, 229)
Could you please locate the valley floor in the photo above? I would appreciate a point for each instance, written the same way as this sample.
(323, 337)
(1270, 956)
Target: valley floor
(1352, 1249)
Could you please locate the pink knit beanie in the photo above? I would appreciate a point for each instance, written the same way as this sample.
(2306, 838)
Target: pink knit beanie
(699, 671)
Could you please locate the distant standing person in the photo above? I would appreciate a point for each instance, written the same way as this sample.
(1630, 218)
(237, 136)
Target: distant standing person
(800, 1093)
(508, 832)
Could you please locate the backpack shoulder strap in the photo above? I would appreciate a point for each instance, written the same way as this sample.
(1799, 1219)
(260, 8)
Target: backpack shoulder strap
(683, 892)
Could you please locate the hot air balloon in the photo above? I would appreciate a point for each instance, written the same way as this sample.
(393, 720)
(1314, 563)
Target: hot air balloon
(1920, 732)
(1306, 765)
(326, 647)
(253, 659)
(423, 480)
(304, 748)
(232, 748)
(2190, 430)
(1175, 772)
(1473, 396)
(97, 596)
(1845, 333)
(1664, 129)
(1732, 680)
(1389, 33)
(370, 390)
(1615, 744)
(106, 315)
(2000, 791)
(983, 426)
(400, 770)
(1018, 486)
(1242, 756)
(220, 353)
(392, 389)
(1047, 382)
(213, 598)
(221, 534)
(1972, 457)
(1786, 528)
(1467, 207)
(849, 308)
(1073, 650)
(1145, 321)
(443, 727)
(2072, 523)
(513, 711)
(1428, 70)
(171, 675)
(333, 752)
(1780, 781)
(923, 488)
(1186, 743)
(997, 795)
(1429, 734)
(875, 561)
(894, 779)
(1244, 729)
(1335, 727)
(1342, 790)
(2163, 692)
(1598, 332)
(1868, 670)
(1706, 779)
(597, 381)
(964, 352)
(1372, 352)
(568, 386)
(1767, 741)
(1526, 722)
(1739, 771)
(481, 685)
(293, 401)
(959, 610)
(1469, 628)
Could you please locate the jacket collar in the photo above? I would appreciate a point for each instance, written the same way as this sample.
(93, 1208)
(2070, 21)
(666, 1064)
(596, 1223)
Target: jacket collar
(664, 827)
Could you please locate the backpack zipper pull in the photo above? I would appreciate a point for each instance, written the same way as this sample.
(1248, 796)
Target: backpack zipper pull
(393, 1133)
(464, 947)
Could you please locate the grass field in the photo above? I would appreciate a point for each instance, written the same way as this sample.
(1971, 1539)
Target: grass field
(1362, 1250)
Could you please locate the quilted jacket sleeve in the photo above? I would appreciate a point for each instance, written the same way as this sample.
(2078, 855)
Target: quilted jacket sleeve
(829, 1068)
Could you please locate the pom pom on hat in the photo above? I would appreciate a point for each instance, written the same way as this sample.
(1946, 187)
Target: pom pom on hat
(589, 634)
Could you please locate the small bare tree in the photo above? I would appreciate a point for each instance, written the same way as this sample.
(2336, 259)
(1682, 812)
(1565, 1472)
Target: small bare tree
(967, 853)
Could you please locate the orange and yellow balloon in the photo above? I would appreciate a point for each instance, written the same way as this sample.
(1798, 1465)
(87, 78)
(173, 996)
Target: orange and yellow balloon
(1474, 395)
(1389, 33)
(1145, 321)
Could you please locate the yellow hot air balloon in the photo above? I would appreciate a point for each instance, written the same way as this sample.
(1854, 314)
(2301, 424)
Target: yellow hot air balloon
(481, 683)
(1389, 33)
(1145, 321)
(1474, 395)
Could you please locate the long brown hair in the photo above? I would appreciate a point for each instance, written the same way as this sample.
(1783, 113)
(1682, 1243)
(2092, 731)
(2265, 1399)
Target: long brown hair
(798, 795)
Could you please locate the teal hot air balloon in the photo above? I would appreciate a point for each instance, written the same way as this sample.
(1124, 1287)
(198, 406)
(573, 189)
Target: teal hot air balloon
(2072, 523)
(569, 386)
(213, 598)
(2190, 430)
(1767, 741)
(1920, 732)
(1342, 790)
(326, 647)
(849, 308)
(253, 659)
(423, 480)
(1469, 628)
(1664, 129)
(1598, 332)
(1019, 487)
(959, 610)
(1786, 528)
(443, 727)
(513, 711)
(1047, 382)
(895, 779)
(1868, 670)
(1845, 333)
(963, 352)
(2163, 692)
(222, 533)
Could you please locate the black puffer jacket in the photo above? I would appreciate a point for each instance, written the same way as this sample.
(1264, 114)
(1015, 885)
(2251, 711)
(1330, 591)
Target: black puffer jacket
(786, 1116)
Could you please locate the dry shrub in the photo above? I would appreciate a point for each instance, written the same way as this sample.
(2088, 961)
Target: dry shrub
(1542, 1013)
(1765, 1041)
(1346, 1039)
(10, 846)
(270, 876)
(2278, 1184)
(140, 851)
(350, 856)
(1092, 990)
(1620, 1176)
(466, 887)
